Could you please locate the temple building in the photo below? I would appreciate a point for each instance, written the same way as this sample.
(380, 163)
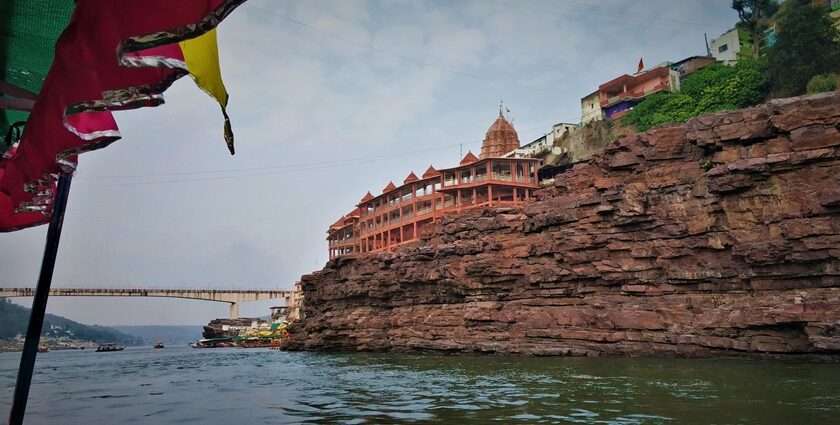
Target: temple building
(401, 214)
(501, 138)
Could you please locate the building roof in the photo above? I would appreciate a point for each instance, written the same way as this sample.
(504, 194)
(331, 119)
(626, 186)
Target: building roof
(430, 173)
(366, 198)
(390, 187)
(469, 158)
(656, 72)
(500, 139)
(338, 224)
(355, 213)
(411, 178)
(680, 62)
(593, 94)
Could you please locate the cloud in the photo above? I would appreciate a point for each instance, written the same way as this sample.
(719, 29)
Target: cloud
(329, 99)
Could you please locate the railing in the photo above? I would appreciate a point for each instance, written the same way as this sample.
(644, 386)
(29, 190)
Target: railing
(501, 177)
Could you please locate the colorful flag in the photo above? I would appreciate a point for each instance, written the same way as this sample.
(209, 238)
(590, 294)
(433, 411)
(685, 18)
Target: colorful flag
(641, 65)
(113, 55)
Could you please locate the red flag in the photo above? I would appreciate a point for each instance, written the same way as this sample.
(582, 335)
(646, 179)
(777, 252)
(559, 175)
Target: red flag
(113, 55)
(641, 65)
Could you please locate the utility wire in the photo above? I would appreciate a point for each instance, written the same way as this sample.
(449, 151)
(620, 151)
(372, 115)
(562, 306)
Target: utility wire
(293, 167)
(261, 171)
(418, 61)
(597, 12)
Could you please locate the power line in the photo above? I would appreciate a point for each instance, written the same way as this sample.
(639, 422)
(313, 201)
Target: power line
(418, 61)
(586, 9)
(260, 171)
(617, 19)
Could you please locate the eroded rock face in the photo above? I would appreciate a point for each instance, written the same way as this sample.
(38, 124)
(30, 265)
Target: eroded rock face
(718, 237)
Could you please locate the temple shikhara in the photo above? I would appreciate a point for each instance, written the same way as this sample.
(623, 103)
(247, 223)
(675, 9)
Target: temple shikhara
(400, 214)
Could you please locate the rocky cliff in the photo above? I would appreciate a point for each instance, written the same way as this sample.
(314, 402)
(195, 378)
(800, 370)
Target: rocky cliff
(718, 237)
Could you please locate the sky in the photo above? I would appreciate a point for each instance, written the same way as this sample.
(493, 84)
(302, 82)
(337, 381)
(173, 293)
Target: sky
(328, 100)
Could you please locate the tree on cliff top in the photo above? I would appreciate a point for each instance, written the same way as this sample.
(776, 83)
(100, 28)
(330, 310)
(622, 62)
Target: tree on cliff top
(754, 16)
(807, 45)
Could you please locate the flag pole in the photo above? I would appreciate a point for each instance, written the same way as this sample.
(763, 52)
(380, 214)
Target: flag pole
(39, 303)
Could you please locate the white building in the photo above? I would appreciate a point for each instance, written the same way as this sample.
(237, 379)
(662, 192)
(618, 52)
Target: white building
(726, 47)
(590, 108)
(545, 143)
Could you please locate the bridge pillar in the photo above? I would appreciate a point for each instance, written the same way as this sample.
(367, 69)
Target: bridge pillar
(234, 310)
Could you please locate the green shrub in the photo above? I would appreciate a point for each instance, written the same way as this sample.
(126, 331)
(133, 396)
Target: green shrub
(661, 108)
(714, 88)
(822, 83)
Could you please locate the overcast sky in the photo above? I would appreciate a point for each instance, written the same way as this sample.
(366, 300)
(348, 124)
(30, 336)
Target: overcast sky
(328, 99)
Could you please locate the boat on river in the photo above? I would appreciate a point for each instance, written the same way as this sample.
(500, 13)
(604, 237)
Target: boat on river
(159, 345)
(109, 347)
(214, 343)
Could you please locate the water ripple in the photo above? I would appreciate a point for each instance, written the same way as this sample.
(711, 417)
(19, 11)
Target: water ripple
(183, 386)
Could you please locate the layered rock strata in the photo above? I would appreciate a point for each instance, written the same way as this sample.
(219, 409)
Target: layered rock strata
(718, 237)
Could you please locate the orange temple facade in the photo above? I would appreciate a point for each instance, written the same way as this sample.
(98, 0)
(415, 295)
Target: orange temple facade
(401, 214)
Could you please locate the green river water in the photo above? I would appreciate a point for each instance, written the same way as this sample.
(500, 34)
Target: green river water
(238, 386)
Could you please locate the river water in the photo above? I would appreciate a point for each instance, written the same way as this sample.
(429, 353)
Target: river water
(180, 385)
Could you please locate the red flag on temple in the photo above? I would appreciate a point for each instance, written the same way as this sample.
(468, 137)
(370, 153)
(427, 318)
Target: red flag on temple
(641, 65)
(113, 55)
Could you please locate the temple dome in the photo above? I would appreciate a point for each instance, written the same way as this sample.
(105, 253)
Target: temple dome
(501, 138)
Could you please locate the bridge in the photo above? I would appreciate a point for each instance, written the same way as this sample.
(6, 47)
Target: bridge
(230, 296)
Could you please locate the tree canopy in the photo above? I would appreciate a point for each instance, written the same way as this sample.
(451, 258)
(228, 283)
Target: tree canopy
(807, 45)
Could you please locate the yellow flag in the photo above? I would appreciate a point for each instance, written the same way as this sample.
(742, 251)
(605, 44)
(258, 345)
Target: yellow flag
(201, 54)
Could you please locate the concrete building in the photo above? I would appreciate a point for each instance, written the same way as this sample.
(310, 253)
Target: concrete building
(544, 144)
(624, 92)
(342, 238)
(726, 47)
(691, 65)
(401, 214)
(590, 108)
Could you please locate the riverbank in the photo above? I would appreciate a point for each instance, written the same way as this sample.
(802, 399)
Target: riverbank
(716, 238)
(14, 345)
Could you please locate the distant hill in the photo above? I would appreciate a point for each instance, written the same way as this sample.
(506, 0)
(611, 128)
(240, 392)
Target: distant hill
(172, 335)
(14, 319)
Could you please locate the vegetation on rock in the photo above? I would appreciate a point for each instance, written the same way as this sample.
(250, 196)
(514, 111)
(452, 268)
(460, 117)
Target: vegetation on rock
(822, 83)
(714, 88)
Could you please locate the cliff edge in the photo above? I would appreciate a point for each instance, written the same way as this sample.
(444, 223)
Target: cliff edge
(719, 237)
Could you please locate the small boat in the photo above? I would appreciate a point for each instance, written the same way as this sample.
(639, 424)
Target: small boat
(213, 343)
(159, 345)
(109, 347)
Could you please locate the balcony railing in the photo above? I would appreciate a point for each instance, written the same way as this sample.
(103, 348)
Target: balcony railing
(501, 177)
